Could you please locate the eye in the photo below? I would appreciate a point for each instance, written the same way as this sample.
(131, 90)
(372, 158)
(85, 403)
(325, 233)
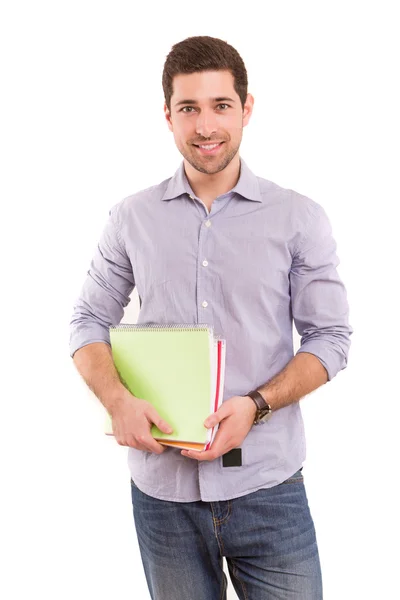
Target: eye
(192, 108)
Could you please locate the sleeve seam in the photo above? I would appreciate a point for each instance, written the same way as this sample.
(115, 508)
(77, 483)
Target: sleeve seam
(115, 215)
(306, 235)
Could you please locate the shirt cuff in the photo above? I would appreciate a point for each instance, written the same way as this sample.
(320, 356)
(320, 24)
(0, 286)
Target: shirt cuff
(330, 355)
(89, 334)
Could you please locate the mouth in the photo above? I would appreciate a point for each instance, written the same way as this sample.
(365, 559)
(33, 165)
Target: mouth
(208, 149)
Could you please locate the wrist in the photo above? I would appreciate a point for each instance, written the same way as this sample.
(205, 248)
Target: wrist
(263, 410)
(252, 405)
(116, 398)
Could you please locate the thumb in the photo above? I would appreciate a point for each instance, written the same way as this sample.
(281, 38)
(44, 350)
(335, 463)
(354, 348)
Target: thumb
(216, 417)
(159, 422)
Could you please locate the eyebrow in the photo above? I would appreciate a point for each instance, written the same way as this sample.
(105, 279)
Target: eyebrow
(219, 99)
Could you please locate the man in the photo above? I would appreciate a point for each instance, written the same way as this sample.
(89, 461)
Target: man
(215, 244)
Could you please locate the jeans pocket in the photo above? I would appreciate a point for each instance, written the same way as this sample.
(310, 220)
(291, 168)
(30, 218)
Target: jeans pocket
(295, 478)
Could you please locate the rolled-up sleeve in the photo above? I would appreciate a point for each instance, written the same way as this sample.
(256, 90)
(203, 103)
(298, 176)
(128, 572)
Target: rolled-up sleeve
(319, 299)
(105, 292)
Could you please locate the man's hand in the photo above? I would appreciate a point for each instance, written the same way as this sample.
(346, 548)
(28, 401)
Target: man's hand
(132, 420)
(236, 417)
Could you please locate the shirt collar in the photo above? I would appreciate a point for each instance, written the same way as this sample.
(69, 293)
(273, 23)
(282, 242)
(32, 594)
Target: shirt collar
(247, 185)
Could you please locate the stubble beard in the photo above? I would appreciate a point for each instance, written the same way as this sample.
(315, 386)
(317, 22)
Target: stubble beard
(214, 165)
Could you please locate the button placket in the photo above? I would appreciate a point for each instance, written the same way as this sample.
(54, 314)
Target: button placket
(203, 285)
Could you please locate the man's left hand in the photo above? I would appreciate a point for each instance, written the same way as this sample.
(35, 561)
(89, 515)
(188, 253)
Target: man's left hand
(235, 417)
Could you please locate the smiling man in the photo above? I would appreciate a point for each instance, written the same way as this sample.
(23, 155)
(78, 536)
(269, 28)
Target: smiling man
(216, 244)
(208, 128)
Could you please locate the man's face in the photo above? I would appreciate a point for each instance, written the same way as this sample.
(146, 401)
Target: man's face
(206, 110)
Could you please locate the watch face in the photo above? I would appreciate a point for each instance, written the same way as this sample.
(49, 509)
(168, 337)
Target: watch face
(264, 415)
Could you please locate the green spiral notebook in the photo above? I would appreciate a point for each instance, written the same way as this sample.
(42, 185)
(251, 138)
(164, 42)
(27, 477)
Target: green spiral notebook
(179, 369)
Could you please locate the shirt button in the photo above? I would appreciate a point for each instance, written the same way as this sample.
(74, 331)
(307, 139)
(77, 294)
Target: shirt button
(204, 304)
(191, 197)
(205, 263)
(207, 223)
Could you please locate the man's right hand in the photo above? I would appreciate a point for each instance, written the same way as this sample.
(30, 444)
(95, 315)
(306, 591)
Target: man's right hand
(132, 420)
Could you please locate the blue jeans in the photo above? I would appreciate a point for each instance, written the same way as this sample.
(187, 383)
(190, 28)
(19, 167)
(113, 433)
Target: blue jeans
(267, 538)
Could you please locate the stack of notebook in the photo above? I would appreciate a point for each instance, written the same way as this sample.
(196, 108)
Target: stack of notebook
(180, 370)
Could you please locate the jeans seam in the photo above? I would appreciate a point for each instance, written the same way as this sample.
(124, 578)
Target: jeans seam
(235, 573)
(224, 588)
(293, 480)
(220, 521)
(215, 523)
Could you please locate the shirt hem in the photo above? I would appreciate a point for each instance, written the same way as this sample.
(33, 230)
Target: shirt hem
(146, 491)
(219, 499)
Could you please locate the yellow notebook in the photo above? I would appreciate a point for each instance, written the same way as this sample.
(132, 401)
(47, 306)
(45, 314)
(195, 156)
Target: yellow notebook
(179, 369)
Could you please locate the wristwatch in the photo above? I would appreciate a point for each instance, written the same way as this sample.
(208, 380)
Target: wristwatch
(264, 411)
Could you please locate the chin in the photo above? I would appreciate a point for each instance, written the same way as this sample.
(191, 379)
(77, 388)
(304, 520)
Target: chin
(210, 169)
(210, 166)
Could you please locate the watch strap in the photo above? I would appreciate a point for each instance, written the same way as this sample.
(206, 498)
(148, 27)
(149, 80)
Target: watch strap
(263, 411)
(257, 399)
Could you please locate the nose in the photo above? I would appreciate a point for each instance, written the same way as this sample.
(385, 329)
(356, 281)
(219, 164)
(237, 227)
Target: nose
(206, 123)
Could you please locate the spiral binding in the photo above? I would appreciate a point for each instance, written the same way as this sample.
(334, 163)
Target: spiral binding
(161, 327)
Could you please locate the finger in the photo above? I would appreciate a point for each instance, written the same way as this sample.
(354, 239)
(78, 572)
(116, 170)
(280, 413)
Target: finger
(218, 416)
(130, 441)
(219, 447)
(223, 442)
(206, 455)
(158, 421)
(126, 439)
(148, 443)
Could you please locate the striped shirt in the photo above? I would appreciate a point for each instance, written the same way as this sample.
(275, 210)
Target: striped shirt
(262, 259)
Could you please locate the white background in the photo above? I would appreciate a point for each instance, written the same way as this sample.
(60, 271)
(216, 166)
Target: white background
(83, 127)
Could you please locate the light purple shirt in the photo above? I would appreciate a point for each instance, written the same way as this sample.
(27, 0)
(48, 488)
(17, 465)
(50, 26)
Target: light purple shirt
(263, 257)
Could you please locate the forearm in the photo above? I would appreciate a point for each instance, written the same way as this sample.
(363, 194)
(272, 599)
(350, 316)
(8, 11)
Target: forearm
(95, 364)
(302, 375)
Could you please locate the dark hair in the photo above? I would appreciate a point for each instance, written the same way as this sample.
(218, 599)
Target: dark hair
(203, 53)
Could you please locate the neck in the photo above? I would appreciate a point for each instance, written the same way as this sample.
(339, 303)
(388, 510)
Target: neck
(208, 187)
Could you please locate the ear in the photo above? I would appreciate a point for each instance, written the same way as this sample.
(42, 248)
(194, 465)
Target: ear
(248, 109)
(168, 117)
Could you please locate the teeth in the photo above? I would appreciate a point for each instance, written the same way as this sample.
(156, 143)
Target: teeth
(209, 147)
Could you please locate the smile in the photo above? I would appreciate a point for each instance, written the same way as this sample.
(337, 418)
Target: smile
(209, 148)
